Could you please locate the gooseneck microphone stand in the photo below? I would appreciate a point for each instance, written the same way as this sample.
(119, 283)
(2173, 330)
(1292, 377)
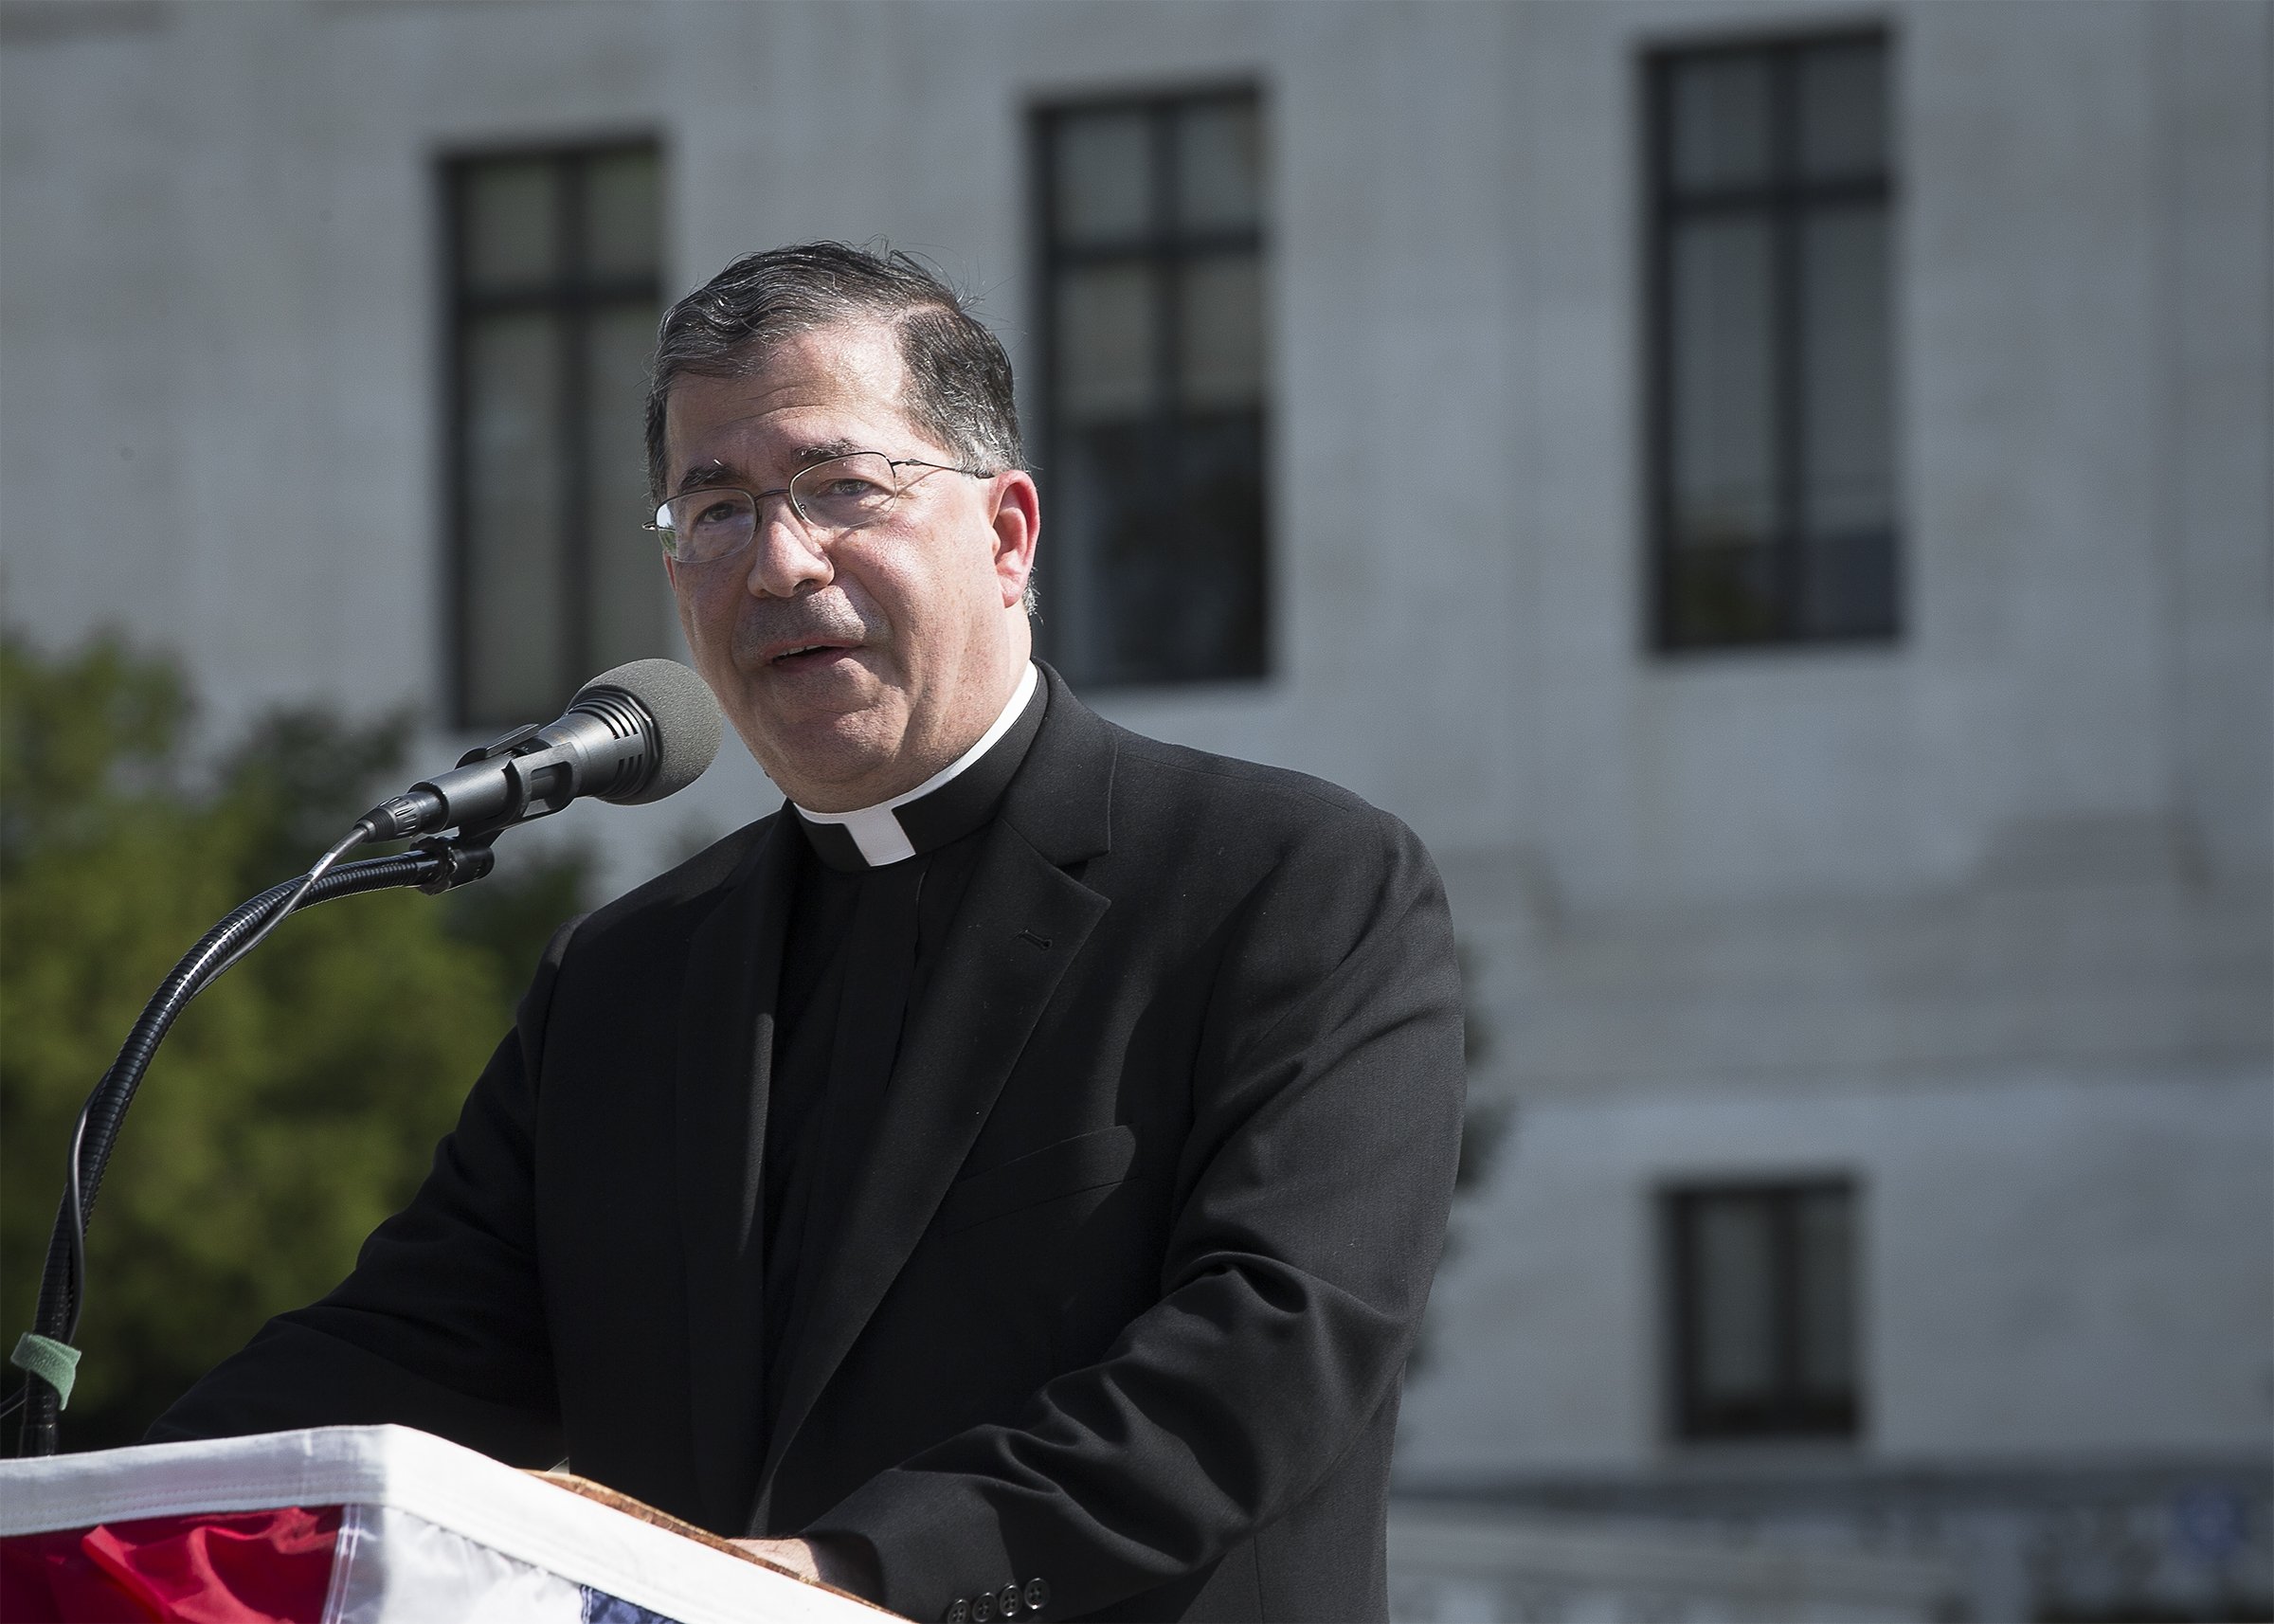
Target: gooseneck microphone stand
(637, 732)
(433, 866)
(47, 1356)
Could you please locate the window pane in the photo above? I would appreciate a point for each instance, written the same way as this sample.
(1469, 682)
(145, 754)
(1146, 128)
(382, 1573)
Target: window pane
(628, 578)
(623, 215)
(1723, 416)
(1735, 1297)
(1115, 509)
(1219, 344)
(1827, 1254)
(516, 598)
(1720, 133)
(1219, 166)
(1106, 317)
(1723, 595)
(1217, 629)
(1848, 383)
(1848, 585)
(511, 217)
(1844, 110)
(1175, 583)
(1104, 177)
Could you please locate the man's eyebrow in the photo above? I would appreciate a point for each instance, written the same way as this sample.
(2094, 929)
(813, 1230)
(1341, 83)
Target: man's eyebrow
(706, 476)
(715, 473)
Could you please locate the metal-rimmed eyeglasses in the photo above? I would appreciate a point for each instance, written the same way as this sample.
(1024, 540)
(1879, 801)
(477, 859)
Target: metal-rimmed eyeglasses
(830, 498)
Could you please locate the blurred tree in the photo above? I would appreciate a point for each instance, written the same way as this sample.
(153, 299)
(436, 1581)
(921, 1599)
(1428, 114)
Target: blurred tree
(1485, 1125)
(298, 1101)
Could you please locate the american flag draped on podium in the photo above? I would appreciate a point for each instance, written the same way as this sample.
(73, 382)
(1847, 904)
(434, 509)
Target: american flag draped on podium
(362, 1526)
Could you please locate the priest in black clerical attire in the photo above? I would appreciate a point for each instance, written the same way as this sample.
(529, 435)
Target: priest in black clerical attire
(875, 894)
(1004, 1180)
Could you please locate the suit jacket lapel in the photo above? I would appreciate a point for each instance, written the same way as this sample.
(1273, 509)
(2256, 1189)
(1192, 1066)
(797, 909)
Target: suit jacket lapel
(725, 1059)
(1022, 921)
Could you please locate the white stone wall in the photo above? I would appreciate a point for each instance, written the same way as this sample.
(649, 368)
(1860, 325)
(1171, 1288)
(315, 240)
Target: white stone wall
(1982, 916)
(2050, 1262)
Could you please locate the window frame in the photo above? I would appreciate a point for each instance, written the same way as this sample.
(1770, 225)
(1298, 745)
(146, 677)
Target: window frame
(1163, 249)
(1784, 201)
(577, 299)
(1790, 1415)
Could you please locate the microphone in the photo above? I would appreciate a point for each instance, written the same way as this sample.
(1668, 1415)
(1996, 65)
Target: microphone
(631, 736)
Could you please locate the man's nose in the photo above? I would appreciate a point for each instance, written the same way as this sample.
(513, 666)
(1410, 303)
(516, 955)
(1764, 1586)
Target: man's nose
(786, 559)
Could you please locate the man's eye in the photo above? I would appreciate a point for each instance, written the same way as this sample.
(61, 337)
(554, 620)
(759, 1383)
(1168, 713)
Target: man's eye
(717, 514)
(850, 488)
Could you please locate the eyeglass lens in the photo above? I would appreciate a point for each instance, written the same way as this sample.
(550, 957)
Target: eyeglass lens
(844, 492)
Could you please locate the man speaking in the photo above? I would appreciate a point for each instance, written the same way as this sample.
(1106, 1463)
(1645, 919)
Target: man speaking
(1007, 1178)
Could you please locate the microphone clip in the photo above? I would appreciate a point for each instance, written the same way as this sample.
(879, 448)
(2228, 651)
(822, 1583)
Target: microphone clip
(518, 789)
(464, 859)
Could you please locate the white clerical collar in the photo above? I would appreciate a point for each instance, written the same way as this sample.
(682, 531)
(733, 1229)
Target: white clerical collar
(879, 832)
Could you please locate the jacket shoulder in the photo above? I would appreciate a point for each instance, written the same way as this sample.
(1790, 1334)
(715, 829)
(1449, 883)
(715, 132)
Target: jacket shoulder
(1194, 792)
(671, 902)
(1196, 836)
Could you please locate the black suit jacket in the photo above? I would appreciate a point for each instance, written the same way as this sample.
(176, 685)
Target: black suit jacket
(1123, 1293)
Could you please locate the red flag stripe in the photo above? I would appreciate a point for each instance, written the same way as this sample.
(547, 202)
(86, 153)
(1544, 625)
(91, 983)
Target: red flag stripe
(232, 1567)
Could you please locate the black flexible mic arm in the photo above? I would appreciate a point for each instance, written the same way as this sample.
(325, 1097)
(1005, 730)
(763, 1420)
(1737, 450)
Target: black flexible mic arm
(634, 733)
(433, 866)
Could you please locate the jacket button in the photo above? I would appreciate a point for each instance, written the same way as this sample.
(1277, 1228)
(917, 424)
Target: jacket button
(982, 1608)
(1038, 1594)
(958, 1612)
(1007, 1605)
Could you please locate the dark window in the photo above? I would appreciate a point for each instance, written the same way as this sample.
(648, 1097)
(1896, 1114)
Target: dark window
(1763, 1311)
(554, 293)
(1152, 294)
(1771, 356)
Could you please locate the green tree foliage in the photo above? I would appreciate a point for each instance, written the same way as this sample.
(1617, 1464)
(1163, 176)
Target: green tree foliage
(298, 1101)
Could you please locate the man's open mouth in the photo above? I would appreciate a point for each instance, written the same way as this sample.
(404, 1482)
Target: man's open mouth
(806, 654)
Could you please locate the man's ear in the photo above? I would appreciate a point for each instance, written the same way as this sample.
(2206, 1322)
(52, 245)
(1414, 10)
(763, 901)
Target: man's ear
(1018, 523)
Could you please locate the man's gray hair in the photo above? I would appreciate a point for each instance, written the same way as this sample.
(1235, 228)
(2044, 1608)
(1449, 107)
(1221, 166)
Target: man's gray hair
(959, 380)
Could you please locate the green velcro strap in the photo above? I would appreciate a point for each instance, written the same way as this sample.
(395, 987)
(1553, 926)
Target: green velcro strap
(54, 1362)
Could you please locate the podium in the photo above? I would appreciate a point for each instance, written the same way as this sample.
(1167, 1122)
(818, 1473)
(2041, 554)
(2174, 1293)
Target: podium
(365, 1526)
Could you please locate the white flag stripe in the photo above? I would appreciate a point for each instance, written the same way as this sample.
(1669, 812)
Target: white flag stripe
(395, 1568)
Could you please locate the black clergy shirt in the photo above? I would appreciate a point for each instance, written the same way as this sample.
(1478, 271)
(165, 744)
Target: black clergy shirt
(862, 942)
